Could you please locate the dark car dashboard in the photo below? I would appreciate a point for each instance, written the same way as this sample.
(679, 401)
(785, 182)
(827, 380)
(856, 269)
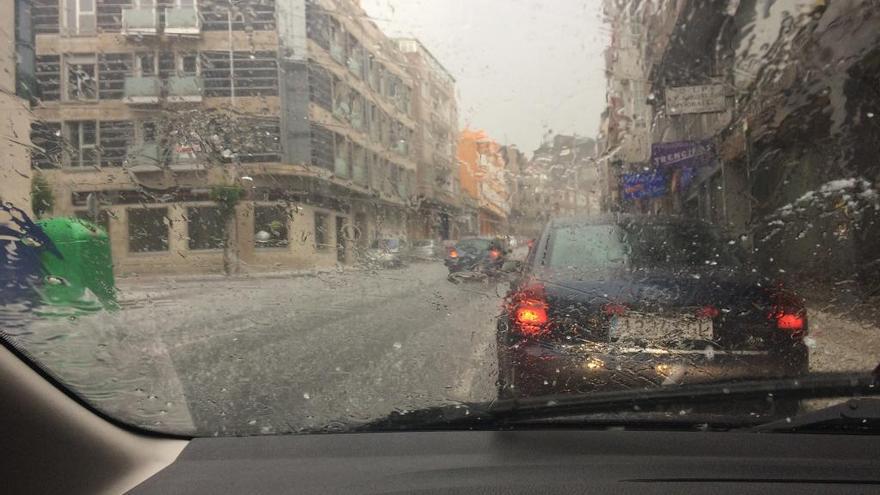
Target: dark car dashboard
(525, 462)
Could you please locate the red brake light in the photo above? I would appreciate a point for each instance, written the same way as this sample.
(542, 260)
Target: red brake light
(453, 253)
(614, 309)
(494, 254)
(787, 310)
(529, 311)
(788, 321)
(708, 312)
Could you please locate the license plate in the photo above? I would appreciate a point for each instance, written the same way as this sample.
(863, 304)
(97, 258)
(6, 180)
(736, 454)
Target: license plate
(660, 330)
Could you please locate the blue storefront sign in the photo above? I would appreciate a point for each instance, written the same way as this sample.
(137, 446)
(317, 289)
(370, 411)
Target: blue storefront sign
(647, 185)
(681, 159)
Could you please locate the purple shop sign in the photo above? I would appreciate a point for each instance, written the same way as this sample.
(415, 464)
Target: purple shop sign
(682, 154)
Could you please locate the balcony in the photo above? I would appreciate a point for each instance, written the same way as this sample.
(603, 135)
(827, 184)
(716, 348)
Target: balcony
(142, 90)
(144, 158)
(187, 156)
(182, 21)
(140, 22)
(184, 89)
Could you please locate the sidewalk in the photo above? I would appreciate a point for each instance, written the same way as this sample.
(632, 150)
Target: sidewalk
(159, 289)
(137, 280)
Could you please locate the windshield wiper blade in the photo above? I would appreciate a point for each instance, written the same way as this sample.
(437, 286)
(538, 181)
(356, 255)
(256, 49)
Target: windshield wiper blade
(854, 415)
(509, 412)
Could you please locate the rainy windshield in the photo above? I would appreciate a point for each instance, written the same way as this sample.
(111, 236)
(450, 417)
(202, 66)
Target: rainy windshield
(248, 217)
(473, 246)
(389, 244)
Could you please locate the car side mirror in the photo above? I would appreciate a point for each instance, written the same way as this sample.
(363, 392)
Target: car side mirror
(512, 266)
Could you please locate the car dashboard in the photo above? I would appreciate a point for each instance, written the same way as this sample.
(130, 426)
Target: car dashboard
(548, 461)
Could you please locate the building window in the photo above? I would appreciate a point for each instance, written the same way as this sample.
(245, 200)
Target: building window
(48, 145)
(114, 138)
(148, 230)
(322, 223)
(48, 75)
(342, 158)
(189, 64)
(45, 16)
(251, 74)
(206, 226)
(317, 26)
(82, 77)
(255, 16)
(322, 147)
(270, 226)
(91, 144)
(146, 64)
(82, 144)
(102, 221)
(80, 16)
(113, 68)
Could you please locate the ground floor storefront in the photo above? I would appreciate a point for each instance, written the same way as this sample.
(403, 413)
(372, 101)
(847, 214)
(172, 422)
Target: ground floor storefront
(272, 225)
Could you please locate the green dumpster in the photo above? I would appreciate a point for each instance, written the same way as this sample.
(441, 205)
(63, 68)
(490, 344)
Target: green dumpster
(82, 278)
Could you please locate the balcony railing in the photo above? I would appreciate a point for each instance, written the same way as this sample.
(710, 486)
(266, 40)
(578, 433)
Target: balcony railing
(184, 89)
(142, 90)
(144, 158)
(182, 21)
(140, 22)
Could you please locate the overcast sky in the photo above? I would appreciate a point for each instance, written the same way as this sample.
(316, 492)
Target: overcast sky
(523, 67)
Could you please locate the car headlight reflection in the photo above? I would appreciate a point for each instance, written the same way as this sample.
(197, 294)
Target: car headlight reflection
(593, 364)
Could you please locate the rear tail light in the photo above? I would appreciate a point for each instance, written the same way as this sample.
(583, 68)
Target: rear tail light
(531, 317)
(614, 309)
(494, 254)
(453, 253)
(788, 320)
(787, 310)
(528, 310)
(708, 313)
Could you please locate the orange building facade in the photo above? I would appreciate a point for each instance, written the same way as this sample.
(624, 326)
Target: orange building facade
(481, 175)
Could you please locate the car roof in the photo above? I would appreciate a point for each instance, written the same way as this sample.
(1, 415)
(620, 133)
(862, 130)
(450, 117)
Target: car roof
(613, 219)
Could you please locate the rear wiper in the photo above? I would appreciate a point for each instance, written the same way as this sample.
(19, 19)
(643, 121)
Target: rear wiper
(852, 416)
(502, 413)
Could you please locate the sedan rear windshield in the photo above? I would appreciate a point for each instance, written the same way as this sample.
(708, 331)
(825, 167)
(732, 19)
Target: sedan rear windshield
(639, 245)
(473, 245)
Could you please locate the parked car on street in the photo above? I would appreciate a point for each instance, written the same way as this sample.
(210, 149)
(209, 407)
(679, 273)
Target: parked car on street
(386, 253)
(626, 302)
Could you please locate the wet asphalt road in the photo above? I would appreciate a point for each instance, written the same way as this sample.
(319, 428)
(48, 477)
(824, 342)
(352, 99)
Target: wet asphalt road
(287, 352)
(281, 354)
(277, 352)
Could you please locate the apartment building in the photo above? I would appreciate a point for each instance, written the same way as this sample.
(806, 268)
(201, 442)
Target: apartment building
(294, 115)
(483, 178)
(627, 123)
(15, 174)
(435, 142)
(560, 179)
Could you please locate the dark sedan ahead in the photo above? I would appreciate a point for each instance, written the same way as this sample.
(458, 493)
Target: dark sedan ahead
(475, 253)
(640, 302)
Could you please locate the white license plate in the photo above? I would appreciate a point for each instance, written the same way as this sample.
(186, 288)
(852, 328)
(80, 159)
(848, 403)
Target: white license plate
(660, 330)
